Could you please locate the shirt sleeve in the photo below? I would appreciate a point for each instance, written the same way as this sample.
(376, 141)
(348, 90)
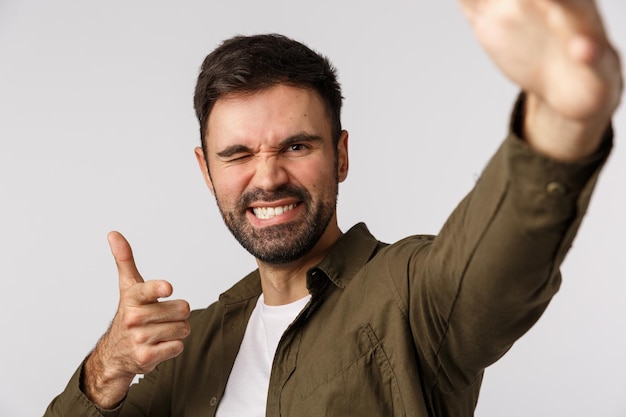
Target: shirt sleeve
(491, 272)
(72, 402)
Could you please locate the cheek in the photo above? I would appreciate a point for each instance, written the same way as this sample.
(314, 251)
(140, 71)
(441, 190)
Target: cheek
(323, 166)
(320, 177)
(227, 190)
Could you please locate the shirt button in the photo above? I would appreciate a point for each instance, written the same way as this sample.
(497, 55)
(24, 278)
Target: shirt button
(213, 401)
(555, 189)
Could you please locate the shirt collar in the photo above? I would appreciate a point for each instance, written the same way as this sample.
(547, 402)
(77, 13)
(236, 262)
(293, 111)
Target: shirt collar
(247, 288)
(349, 254)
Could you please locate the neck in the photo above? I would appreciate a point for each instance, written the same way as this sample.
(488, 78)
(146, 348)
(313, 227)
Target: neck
(284, 284)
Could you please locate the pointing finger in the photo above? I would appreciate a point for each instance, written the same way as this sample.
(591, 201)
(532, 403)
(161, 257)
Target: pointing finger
(123, 255)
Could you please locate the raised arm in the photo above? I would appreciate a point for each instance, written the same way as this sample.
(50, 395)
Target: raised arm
(494, 267)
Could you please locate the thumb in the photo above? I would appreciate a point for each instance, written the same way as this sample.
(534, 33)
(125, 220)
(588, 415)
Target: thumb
(123, 255)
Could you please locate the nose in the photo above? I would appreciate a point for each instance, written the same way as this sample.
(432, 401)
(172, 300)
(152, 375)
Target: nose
(270, 173)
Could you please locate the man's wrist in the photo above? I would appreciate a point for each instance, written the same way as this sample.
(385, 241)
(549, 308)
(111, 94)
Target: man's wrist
(105, 391)
(559, 138)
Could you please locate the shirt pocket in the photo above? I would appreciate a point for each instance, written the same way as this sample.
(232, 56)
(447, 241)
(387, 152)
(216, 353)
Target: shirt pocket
(352, 376)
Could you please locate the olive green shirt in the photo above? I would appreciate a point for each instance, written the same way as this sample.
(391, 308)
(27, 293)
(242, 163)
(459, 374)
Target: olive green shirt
(405, 329)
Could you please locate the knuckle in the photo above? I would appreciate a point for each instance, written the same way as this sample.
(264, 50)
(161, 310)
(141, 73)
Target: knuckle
(140, 337)
(131, 318)
(184, 329)
(184, 309)
(144, 358)
(176, 348)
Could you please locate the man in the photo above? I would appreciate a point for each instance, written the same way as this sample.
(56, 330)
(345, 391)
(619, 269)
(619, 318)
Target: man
(341, 324)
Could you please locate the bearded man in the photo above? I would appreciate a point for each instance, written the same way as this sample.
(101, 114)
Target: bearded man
(337, 324)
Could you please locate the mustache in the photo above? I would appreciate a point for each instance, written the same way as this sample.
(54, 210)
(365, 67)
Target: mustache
(283, 191)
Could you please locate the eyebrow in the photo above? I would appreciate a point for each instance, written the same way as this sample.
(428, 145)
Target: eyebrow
(300, 137)
(297, 138)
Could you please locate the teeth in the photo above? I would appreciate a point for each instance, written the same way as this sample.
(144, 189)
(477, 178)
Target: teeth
(265, 213)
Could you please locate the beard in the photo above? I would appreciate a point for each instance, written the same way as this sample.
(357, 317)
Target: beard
(283, 243)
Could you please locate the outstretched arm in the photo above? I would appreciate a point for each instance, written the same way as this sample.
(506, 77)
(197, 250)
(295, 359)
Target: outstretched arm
(558, 52)
(494, 267)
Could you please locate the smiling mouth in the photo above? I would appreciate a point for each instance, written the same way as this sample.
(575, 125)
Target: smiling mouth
(265, 213)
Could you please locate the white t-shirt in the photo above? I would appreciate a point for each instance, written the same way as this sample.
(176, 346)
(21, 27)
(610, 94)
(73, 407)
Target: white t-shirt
(246, 389)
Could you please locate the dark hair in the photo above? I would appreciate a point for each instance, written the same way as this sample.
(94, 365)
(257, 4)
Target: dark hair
(246, 64)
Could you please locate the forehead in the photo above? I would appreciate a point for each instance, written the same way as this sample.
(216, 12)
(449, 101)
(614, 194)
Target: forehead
(272, 114)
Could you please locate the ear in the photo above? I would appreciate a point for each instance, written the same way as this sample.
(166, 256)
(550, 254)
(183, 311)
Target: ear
(342, 156)
(204, 167)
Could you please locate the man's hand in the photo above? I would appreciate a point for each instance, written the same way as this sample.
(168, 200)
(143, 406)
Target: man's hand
(143, 333)
(558, 52)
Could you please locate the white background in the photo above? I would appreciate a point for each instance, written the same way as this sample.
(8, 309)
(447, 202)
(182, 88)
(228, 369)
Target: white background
(97, 133)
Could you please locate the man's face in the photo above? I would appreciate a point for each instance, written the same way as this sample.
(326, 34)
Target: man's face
(274, 170)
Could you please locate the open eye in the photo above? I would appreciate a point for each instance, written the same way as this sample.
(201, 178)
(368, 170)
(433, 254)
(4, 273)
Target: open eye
(301, 144)
(297, 147)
